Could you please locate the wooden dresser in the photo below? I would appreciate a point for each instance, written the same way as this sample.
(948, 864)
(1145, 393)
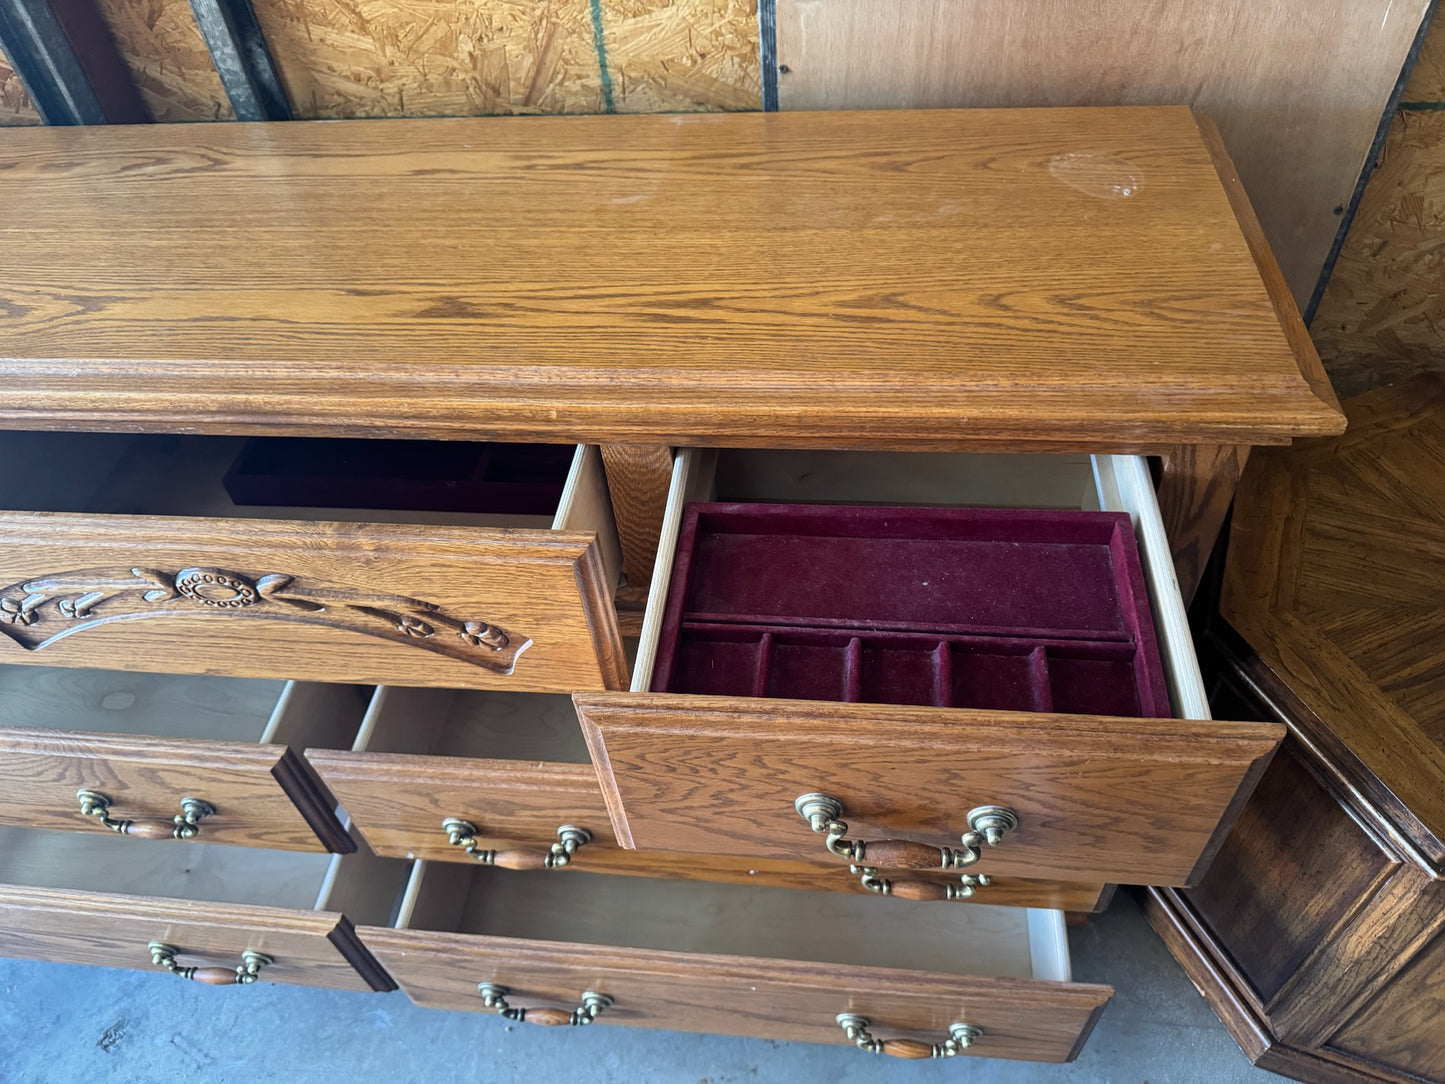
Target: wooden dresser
(966, 308)
(1318, 934)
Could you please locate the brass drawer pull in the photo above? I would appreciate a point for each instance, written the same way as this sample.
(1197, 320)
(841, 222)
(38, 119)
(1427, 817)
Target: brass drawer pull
(960, 1038)
(461, 833)
(987, 824)
(245, 973)
(185, 825)
(593, 1003)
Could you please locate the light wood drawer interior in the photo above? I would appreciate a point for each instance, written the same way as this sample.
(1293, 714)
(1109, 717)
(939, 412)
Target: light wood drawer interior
(208, 900)
(141, 744)
(739, 959)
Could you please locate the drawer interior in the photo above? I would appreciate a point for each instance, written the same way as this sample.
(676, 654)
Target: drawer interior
(368, 481)
(732, 654)
(478, 724)
(184, 706)
(293, 880)
(737, 920)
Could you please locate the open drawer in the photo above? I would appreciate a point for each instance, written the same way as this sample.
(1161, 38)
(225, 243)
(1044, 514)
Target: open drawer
(982, 791)
(738, 960)
(127, 552)
(505, 779)
(235, 915)
(172, 756)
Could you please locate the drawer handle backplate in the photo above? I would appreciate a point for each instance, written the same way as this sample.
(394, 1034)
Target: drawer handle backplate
(987, 824)
(960, 1038)
(463, 834)
(245, 973)
(185, 825)
(593, 1003)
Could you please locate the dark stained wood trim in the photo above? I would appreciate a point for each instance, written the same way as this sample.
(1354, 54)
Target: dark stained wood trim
(1196, 486)
(242, 59)
(294, 775)
(343, 938)
(1231, 814)
(68, 61)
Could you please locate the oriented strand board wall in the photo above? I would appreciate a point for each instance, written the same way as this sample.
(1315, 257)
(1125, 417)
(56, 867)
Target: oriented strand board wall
(1382, 318)
(15, 105)
(1296, 86)
(381, 58)
(168, 58)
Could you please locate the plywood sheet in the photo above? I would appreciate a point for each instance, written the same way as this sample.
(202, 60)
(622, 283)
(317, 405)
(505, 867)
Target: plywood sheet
(167, 58)
(382, 58)
(1297, 87)
(1382, 317)
(15, 105)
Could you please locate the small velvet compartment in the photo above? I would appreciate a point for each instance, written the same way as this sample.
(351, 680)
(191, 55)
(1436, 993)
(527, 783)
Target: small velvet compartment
(1007, 609)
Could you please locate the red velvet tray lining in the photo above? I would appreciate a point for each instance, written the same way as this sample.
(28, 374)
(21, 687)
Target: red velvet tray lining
(1007, 609)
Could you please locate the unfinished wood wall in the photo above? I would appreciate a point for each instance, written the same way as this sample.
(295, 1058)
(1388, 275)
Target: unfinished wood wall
(168, 58)
(1297, 87)
(1382, 318)
(15, 107)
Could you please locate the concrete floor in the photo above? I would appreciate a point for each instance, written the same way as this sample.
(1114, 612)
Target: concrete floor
(64, 1023)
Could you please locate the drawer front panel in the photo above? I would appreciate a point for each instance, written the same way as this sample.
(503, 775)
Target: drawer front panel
(262, 795)
(1132, 801)
(764, 998)
(397, 802)
(307, 948)
(344, 602)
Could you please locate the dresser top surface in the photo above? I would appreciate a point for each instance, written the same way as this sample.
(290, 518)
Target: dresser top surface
(1336, 578)
(897, 279)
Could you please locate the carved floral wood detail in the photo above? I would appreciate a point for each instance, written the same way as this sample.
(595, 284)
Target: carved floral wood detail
(40, 611)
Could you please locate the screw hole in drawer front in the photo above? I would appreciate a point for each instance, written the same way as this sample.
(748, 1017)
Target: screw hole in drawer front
(147, 563)
(738, 959)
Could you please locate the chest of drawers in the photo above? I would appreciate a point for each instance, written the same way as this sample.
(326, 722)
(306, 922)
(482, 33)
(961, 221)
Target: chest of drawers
(950, 308)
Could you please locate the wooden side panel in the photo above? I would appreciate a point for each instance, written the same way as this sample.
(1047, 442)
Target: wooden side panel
(1401, 1027)
(350, 58)
(737, 995)
(16, 107)
(1294, 868)
(1296, 86)
(1134, 801)
(113, 931)
(251, 786)
(364, 603)
(168, 59)
(398, 803)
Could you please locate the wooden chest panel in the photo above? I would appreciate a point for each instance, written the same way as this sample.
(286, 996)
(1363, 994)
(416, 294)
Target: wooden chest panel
(366, 603)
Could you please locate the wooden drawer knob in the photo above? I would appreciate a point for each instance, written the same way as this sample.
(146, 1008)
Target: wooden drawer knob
(494, 996)
(463, 834)
(960, 1038)
(987, 824)
(185, 824)
(245, 973)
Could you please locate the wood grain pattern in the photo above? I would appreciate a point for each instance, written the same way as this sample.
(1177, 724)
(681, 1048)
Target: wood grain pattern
(16, 108)
(113, 931)
(834, 314)
(1196, 486)
(1334, 563)
(540, 586)
(717, 775)
(1401, 1028)
(398, 803)
(168, 59)
(638, 479)
(1297, 87)
(146, 778)
(1379, 318)
(354, 58)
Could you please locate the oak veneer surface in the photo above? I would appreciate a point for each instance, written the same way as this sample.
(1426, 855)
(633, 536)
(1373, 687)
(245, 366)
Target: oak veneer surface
(917, 280)
(1337, 556)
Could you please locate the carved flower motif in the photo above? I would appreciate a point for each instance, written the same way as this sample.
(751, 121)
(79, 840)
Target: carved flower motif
(414, 626)
(480, 634)
(15, 614)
